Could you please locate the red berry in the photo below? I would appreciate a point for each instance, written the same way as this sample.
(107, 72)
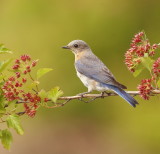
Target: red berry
(18, 74)
(17, 84)
(34, 63)
(17, 61)
(29, 70)
(25, 72)
(15, 67)
(12, 78)
(28, 67)
(25, 58)
(24, 80)
(46, 99)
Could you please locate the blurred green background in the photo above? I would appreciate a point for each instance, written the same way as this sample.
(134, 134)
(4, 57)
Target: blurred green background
(109, 125)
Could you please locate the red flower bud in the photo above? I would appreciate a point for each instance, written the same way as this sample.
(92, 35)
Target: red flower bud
(12, 78)
(28, 67)
(25, 72)
(18, 74)
(15, 67)
(24, 80)
(34, 63)
(25, 58)
(46, 99)
(17, 61)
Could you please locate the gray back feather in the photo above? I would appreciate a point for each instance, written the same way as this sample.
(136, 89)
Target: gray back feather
(91, 66)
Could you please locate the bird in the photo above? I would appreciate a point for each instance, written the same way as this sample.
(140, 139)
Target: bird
(94, 74)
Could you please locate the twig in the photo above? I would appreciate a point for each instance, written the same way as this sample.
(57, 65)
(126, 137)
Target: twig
(89, 97)
(20, 113)
(133, 93)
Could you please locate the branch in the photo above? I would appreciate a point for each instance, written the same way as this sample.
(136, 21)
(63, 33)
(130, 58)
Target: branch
(133, 93)
(91, 98)
(95, 96)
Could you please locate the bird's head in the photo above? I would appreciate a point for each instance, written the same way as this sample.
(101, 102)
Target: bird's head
(77, 46)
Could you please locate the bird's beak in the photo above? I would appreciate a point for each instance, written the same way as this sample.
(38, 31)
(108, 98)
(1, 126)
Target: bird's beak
(65, 47)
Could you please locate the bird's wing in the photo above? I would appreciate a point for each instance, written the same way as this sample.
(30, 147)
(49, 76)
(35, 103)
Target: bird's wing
(94, 68)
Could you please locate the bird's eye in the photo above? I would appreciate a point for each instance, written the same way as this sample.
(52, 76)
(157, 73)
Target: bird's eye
(76, 45)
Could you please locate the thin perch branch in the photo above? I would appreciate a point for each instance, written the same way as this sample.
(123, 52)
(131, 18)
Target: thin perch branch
(94, 96)
(91, 98)
(133, 93)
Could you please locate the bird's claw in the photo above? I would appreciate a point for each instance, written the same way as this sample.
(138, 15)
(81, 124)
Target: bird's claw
(102, 94)
(82, 95)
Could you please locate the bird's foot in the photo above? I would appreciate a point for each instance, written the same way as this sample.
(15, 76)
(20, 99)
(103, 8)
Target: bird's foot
(103, 93)
(82, 94)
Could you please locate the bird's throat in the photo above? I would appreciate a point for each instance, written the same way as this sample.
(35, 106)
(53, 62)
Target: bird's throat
(79, 55)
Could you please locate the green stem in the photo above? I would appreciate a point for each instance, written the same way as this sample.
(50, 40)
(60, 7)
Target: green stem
(33, 81)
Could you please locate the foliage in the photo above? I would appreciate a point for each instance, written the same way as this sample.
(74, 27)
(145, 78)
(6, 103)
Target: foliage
(20, 94)
(139, 57)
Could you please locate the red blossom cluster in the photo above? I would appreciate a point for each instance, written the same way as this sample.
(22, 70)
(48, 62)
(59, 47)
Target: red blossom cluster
(145, 88)
(13, 88)
(156, 68)
(30, 109)
(146, 85)
(138, 48)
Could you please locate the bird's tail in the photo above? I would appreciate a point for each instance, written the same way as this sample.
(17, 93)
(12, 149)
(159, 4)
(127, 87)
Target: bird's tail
(123, 94)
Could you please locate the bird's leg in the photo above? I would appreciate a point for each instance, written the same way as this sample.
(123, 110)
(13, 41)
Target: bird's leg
(104, 92)
(81, 94)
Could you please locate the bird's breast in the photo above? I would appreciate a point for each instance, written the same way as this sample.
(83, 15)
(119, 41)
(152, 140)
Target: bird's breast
(91, 84)
(86, 81)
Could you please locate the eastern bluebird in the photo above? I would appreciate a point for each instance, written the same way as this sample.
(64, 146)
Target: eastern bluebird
(93, 72)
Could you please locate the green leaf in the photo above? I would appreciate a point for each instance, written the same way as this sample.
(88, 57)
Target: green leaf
(2, 77)
(2, 109)
(33, 85)
(14, 122)
(147, 62)
(158, 83)
(4, 64)
(4, 50)
(138, 70)
(43, 71)
(6, 138)
(2, 105)
(55, 93)
(43, 94)
(0, 134)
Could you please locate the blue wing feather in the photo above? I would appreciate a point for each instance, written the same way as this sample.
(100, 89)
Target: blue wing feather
(123, 94)
(95, 71)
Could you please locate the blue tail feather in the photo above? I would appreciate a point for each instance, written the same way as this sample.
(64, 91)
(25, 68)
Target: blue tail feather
(123, 94)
